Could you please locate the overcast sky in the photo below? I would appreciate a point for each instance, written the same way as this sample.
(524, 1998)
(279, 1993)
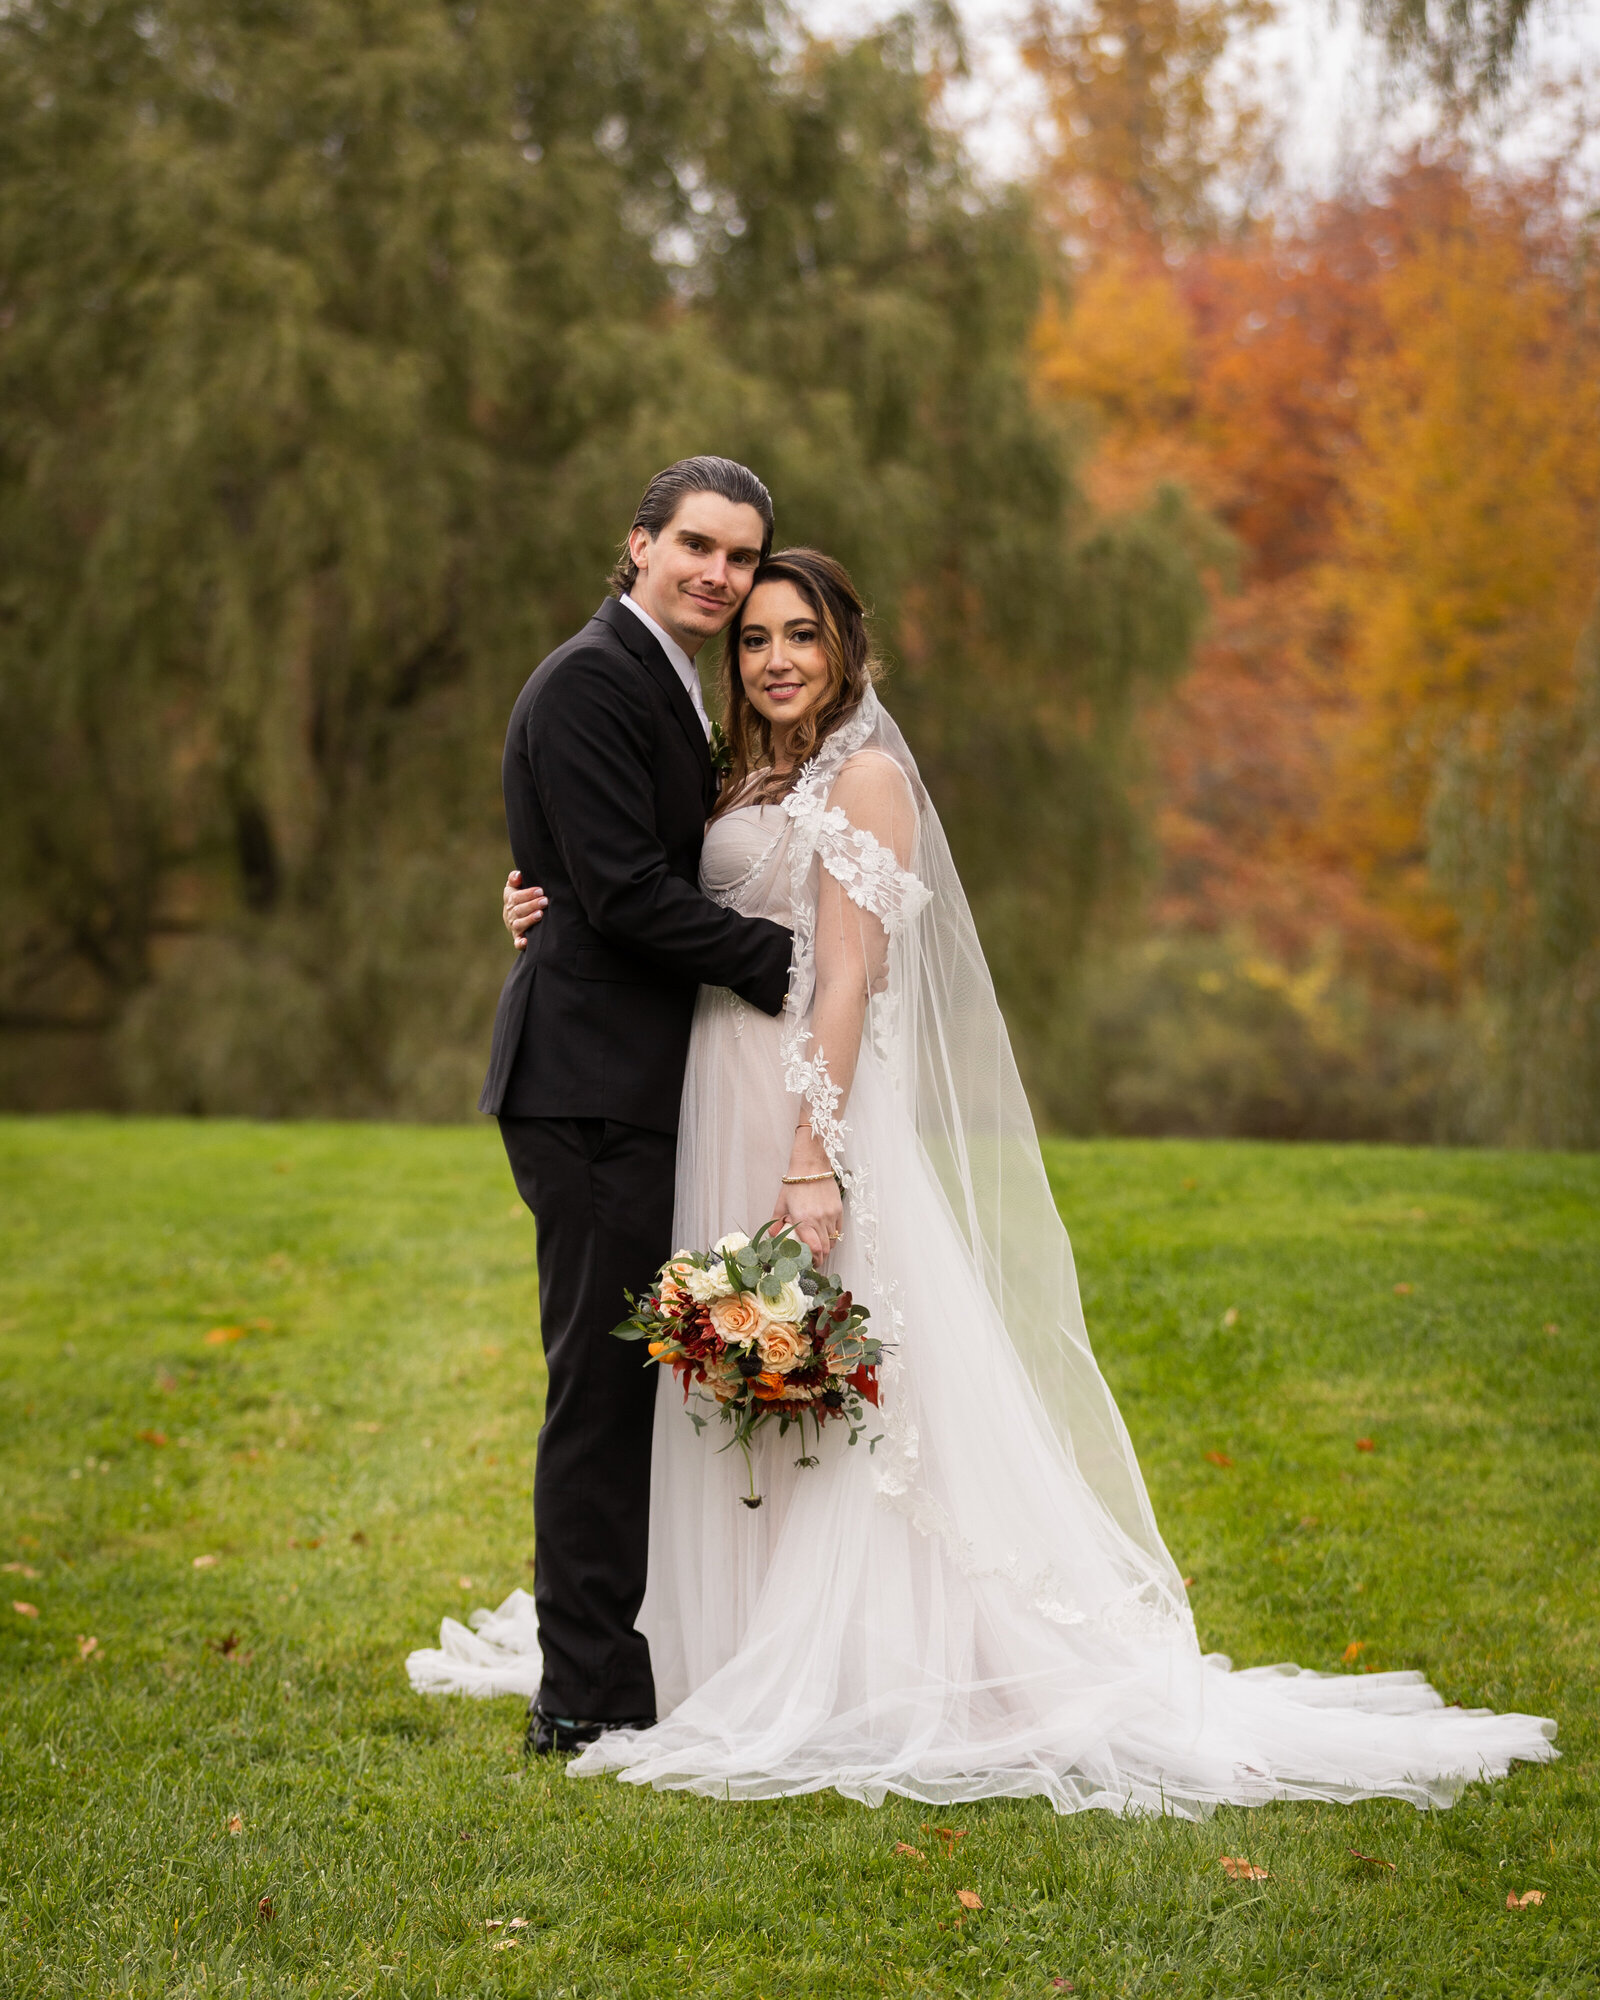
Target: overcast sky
(1326, 81)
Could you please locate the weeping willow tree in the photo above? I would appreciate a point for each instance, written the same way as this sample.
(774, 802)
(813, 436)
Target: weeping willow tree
(336, 342)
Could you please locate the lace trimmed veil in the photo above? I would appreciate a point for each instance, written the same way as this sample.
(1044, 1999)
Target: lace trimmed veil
(934, 1021)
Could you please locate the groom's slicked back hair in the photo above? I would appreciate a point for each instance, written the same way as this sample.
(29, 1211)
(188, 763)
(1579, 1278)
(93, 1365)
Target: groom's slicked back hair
(667, 492)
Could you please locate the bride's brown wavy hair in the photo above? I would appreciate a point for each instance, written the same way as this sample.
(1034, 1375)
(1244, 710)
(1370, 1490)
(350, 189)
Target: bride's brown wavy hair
(853, 667)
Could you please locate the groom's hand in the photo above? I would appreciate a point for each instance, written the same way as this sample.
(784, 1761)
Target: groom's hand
(521, 908)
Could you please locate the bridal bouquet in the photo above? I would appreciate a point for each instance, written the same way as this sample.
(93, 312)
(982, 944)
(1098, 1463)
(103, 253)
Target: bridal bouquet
(756, 1327)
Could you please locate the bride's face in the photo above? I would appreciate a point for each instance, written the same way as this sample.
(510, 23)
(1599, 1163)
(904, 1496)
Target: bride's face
(782, 661)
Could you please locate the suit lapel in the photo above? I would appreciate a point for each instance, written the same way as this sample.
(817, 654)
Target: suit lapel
(641, 642)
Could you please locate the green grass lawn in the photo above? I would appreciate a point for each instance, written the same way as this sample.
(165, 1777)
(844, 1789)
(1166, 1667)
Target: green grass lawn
(236, 1792)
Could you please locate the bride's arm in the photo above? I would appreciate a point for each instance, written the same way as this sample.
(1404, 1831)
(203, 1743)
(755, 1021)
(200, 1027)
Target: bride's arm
(852, 959)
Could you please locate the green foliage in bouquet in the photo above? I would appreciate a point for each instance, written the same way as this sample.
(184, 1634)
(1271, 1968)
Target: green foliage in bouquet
(755, 1327)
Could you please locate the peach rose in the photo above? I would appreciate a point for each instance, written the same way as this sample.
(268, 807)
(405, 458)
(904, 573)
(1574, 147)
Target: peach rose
(722, 1379)
(737, 1318)
(781, 1346)
(672, 1285)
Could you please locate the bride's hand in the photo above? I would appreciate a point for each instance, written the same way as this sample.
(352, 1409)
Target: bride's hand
(521, 908)
(810, 1203)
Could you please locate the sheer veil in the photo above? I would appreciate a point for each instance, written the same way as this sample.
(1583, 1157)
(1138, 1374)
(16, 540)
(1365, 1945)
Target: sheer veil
(936, 1024)
(979, 1604)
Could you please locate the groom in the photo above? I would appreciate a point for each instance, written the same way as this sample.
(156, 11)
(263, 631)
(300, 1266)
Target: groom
(608, 783)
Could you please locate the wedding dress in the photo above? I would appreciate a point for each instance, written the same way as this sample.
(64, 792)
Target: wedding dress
(973, 1601)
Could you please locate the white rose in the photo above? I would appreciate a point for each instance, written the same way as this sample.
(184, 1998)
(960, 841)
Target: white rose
(791, 1305)
(734, 1240)
(705, 1286)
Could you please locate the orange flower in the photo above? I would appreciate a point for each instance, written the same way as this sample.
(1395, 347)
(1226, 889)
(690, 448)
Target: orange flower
(768, 1386)
(738, 1318)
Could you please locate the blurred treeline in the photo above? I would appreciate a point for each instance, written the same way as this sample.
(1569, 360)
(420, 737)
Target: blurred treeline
(1376, 897)
(337, 341)
(336, 344)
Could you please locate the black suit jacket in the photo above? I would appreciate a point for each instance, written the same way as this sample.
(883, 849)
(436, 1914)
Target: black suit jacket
(608, 783)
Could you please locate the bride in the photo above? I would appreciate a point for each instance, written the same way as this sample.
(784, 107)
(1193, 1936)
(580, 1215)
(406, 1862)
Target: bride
(980, 1604)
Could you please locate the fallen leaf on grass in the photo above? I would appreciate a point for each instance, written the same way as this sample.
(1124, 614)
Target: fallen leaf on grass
(494, 1923)
(1353, 1651)
(166, 1383)
(206, 1562)
(517, 1924)
(1218, 1458)
(24, 1610)
(219, 1336)
(1365, 1444)
(1402, 1290)
(19, 1569)
(153, 1437)
(1242, 1870)
(359, 1539)
(228, 1647)
(87, 1647)
(464, 1583)
(1372, 1860)
(948, 1836)
(1231, 1316)
(236, 1824)
(969, 1899)
(916, 1853)
(1516, 1902)
(1550, 1326)
(1188, 1583)
(264, 1909)
(505, 1944)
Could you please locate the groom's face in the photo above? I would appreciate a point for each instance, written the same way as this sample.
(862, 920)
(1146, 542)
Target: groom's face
(696, 573)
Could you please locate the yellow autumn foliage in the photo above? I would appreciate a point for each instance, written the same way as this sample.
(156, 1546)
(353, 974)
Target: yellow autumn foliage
(1465, 557)
(1125, 346)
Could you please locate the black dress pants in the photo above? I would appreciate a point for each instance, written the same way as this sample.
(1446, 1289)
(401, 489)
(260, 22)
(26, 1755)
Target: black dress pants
(601, 1195)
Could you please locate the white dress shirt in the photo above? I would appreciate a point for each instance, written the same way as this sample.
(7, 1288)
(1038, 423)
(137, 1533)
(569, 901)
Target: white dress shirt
(682, 665)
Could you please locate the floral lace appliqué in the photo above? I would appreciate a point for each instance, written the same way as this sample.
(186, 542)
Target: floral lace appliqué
(867, 871)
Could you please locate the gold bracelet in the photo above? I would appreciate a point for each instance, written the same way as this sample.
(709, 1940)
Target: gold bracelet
(805, 1180)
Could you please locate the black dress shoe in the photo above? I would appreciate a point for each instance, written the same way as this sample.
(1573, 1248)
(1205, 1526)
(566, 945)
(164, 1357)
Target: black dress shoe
(556, 1735)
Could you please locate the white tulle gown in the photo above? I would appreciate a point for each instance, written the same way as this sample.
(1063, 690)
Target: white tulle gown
(980, 1605)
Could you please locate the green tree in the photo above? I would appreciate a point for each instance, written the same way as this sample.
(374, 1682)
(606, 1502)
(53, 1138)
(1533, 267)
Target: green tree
(336, 342)
(1516, 845)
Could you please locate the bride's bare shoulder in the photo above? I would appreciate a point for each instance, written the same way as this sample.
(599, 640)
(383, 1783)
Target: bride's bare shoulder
(872, 771)
(875, 795)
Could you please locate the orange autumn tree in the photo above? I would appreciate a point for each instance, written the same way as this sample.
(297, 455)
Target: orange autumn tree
(1464, 564)
(1392, 408)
